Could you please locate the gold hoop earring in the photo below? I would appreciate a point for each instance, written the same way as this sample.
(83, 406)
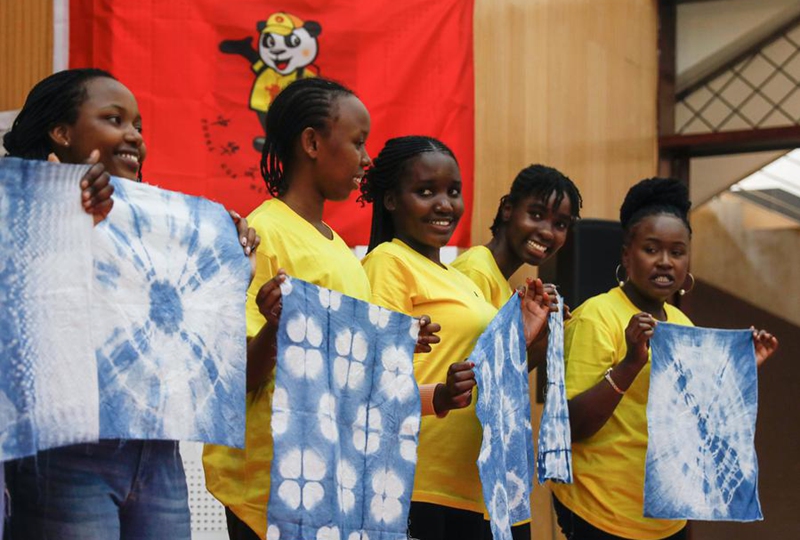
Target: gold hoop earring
(616, 275)
(682, 292)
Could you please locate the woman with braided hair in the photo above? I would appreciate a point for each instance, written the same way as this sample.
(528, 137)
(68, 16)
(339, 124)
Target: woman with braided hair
(415, 190)
(606, 351)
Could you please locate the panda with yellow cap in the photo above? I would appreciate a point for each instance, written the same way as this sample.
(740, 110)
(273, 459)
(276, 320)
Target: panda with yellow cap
(287, 48)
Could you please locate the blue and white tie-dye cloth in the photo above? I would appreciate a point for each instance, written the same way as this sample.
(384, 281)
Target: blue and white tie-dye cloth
(132, 329)
(554, 458)
(701, 419)
(506, 461)
(345, 418)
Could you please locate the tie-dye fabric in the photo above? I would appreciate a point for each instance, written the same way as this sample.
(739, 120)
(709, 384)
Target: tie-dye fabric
(554, 458)
(506, 461)
(168, 309)
(115, 331)
(48, 378)
(345, 420)
(701, 416)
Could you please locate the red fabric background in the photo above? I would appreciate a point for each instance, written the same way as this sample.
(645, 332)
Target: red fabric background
(410, 61)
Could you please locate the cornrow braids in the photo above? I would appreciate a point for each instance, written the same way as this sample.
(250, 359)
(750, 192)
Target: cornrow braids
(304, 103)
(385, 175)
(654, 196)
(541, 182)
(52, 101)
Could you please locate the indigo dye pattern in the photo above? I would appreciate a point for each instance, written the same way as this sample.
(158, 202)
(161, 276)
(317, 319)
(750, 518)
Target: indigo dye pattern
(170, 283)
(554, 457)
(131, 329)
(345, 418)
(701, 416)
(47, 381)
(506, 461)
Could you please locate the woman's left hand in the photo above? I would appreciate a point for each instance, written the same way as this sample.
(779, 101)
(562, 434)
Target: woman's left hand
(765, 344)
(427, 335)
(248, 238)
(535, 309)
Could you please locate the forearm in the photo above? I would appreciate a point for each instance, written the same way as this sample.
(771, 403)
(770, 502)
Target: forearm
(262, 352)
(590, 410)
(537, 352)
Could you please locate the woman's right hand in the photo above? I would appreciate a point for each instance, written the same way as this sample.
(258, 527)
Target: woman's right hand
(637, 336)
(456, 393)
(96, 188)
(268, 298)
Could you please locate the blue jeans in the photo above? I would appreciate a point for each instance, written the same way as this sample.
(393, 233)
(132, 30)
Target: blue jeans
(126, 490)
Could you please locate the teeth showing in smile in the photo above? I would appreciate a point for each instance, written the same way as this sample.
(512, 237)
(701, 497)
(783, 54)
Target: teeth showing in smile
(663, 280)
(440, 222)
(537, 246)
(128, 156)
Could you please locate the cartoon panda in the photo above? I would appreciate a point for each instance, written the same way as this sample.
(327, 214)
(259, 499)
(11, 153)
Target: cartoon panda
(287, 48)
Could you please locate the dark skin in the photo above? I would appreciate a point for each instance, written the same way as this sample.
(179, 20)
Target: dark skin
(656, 260)
(426, 207)
(532, 231)
(327, 164)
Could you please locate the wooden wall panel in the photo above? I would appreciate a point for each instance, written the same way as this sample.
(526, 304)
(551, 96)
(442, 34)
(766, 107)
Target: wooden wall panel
(567, 83)
(26, 48)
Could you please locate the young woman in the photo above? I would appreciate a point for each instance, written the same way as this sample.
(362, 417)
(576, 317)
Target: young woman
(415, 188)
(111, 489)
(606, 351)
(314, 152)
(531, 225)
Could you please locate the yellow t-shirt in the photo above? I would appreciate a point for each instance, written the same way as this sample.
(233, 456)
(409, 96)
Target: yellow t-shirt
(608, 467)
(406, 281)
(478, 264)
(240, 479)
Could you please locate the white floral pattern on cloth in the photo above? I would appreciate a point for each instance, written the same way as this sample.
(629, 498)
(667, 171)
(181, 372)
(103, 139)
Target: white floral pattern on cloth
(345, 420)
(119, 321)
(701, 418)
(168, 317)
(554, 456)
(506, 461)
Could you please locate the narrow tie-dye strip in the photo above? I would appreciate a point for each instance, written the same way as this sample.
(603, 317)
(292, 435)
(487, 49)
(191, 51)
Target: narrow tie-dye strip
(554, 458)
(115, 331)
(506, 461)
(345, 418)
(701, 417)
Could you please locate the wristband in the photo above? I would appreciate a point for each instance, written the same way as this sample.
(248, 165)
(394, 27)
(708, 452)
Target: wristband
(607, 377)
(426, 393)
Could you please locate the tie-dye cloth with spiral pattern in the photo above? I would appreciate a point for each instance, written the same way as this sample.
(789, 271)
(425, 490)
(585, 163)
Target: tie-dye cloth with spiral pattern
(505, 462)
(133, 329)
(345, 418)
(701, 418)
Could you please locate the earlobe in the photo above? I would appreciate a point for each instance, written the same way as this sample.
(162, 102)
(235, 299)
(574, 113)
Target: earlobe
(389, 201)
(309, 142)
(506, 213)
(60, 136)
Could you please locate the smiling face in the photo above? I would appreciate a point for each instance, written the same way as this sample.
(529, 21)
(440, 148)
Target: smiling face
(341, 154)
(286, 54)
(109, 121)
(656, 258)
(427, 204)
(534, 229)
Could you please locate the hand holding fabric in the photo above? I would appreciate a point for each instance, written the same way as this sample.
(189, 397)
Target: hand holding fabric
(96, 188)
(765, 344)
(427, 335)
(535, 304)
(456, 393)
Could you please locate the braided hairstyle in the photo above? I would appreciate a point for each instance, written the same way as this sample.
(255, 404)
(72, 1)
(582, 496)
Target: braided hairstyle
(304, 103)
(654, 196)
(54, 100)
(385, 174)
(539, 181)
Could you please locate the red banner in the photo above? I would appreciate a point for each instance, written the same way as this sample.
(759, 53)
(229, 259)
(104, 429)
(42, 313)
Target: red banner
(205, 71)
